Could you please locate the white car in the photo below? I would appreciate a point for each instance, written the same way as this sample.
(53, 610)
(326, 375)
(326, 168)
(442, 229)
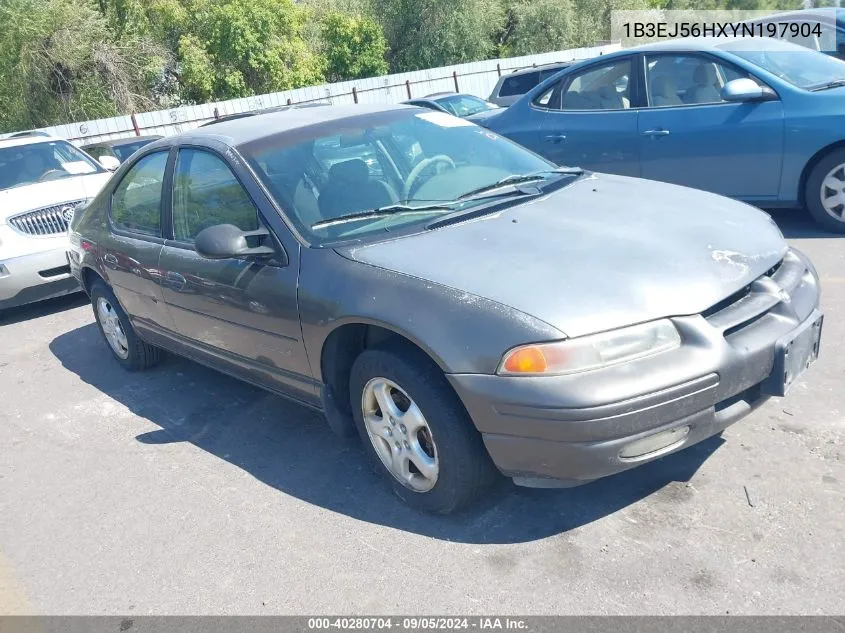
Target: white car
(42, 181)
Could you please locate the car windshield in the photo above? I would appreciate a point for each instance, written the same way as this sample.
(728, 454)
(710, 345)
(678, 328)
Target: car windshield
(795, 64)
(464, 105)
(378, 161)
(127, 149)
(41, 162)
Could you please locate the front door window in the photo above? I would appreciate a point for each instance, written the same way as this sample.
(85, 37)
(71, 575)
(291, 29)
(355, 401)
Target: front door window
(207, 193)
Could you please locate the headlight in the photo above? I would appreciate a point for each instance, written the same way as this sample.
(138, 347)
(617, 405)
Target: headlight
(591, 352)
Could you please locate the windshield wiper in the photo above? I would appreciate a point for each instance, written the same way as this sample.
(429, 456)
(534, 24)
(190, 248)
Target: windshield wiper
(516, 179)
(836, 83)
(392, 209)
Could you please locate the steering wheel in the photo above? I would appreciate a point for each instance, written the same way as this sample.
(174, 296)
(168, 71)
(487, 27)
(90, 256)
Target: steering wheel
(50, 174)
(418, 169)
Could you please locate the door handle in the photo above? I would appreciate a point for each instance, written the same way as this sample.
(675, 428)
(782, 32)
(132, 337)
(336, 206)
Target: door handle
(656, 133)
(110, 259)
(176, 280)
(555, 138)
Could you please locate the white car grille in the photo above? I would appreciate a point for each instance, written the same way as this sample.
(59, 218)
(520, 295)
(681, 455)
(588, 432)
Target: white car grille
(52, 220)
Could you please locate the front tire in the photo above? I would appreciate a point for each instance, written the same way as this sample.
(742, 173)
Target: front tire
(125, 345)
(825, 192)
(416, 431)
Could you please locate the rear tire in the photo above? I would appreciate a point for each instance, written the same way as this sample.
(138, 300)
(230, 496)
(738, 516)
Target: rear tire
(825, 192)
(454, 467)
(122, 340)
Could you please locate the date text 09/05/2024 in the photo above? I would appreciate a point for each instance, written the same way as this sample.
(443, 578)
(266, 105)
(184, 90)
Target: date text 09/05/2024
(417, 623)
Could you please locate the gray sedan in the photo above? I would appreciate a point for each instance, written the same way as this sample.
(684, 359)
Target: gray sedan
(461, 304)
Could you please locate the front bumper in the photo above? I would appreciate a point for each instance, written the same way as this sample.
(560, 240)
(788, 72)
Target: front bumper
(569, 430)
(34, 277)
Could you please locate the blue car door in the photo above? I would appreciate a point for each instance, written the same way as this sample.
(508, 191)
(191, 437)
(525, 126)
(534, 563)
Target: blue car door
(690, 136)
(588, 120)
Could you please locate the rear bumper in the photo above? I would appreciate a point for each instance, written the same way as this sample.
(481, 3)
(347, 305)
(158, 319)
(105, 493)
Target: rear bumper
(35, 277)
(569, 430)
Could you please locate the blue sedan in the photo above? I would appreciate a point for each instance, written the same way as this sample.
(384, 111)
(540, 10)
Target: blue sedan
(759, 120)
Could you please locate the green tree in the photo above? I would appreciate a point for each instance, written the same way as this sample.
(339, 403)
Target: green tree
(244, 47)
(430, 33)
(353, 47)
(532, 26)
(59, 62)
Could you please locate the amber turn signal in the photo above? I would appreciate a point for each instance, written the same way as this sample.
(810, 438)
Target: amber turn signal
(526, 360)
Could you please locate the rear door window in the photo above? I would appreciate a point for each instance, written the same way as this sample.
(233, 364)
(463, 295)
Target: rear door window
(136, 202)
(603, 88)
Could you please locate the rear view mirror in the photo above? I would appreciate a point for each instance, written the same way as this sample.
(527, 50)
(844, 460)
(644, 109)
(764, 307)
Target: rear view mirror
(745, 89)
(225, 241)
(109, 162)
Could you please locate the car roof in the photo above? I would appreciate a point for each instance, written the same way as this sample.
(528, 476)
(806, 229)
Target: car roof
(29, 133)
(126, 140)
(248, 113)
(546, 66)
(27, 140)
(445, 95)
(813, 13)
(244, 130)
(681, 45)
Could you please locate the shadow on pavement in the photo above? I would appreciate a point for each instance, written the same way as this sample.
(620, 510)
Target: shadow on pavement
(42, 308)
(799, 224)
(290, 448)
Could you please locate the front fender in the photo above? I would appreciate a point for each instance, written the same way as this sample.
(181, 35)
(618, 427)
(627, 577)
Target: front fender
(462, 333)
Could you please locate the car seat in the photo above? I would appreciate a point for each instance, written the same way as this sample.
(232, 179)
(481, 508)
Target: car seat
(664, 91)
(349, 189)
(704, 89)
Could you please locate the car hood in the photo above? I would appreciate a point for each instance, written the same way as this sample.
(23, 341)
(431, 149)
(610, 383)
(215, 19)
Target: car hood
(603, 252)
(44, 194)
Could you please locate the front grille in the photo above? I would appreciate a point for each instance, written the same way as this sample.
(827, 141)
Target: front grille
(753, 302)
(43, 222)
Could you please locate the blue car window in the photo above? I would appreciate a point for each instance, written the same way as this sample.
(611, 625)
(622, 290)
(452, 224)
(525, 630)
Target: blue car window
(519, 84)
(603, 88)
(676, 80)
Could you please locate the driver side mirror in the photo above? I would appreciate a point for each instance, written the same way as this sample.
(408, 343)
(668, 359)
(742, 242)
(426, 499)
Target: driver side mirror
(109, 162)
(226, 241)
(744, 89)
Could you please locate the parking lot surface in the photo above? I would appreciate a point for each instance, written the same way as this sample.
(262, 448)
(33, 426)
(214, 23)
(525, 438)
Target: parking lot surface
(183, 491)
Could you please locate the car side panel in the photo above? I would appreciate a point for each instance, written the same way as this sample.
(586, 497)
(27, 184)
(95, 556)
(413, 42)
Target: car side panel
(733, 149)
(336, 291)
(814, 121)
(241, 311)
(132, 269)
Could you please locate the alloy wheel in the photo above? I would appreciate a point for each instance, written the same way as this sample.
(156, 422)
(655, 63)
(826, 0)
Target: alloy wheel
(112, 328)
(833, 193)
(400, 434)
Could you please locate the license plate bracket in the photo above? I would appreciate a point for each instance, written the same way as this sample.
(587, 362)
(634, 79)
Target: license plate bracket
(794, 353)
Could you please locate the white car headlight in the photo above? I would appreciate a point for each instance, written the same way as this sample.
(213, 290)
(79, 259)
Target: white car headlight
(591, 352)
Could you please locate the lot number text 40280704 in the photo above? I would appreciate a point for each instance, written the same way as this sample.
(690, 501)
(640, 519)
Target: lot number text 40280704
(416, 623)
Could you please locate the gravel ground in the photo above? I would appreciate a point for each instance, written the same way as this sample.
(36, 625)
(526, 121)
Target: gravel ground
(182, 491)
